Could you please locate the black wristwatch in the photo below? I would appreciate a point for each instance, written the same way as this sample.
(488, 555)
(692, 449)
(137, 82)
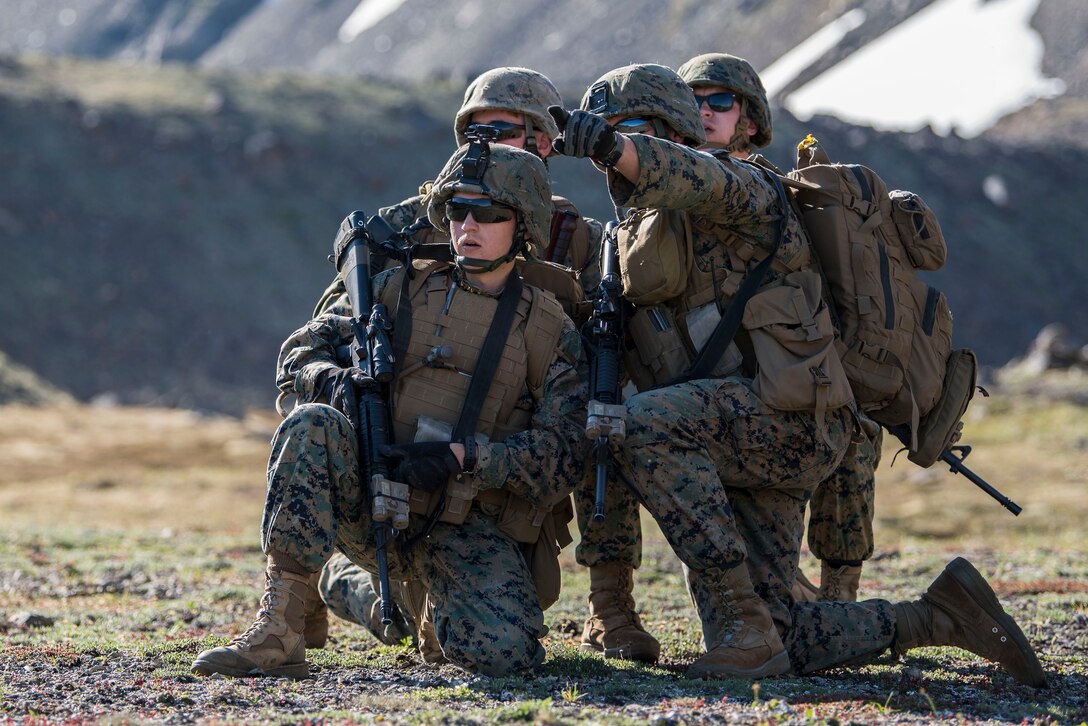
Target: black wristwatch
(469, 464)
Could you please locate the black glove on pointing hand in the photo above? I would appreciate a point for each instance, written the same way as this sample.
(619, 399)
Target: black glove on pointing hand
(586, 134)
(426, 465)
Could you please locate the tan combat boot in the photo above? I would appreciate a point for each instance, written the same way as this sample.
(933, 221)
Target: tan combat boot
(744, 643)
(613, 627)
(960, 609)
(316, 626)
(273, 645)
(803, 590)
(839, 584)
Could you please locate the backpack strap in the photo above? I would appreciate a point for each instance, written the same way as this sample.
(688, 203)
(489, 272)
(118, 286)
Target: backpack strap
(727, 327)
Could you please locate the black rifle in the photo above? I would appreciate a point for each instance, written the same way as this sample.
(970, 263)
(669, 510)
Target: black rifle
(605, 418)
(373, 353)
(954, 456)
(401, 246)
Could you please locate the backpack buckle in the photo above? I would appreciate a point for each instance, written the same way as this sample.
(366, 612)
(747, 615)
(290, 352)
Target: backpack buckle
(820, 376)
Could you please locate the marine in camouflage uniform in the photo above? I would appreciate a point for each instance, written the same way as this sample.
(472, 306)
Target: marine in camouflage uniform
(840, 523)
(518, 99)
(487, 566)
(611, 550)
(724, 471)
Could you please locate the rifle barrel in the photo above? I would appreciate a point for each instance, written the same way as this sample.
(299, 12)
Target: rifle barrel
(958, 467)
(955, 463)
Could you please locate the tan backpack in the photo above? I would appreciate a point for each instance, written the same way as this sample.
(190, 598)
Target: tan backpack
(895, 330)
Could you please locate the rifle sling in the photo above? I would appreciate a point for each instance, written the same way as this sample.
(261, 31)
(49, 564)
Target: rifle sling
(487, 362)
(402, 329)
(727, 327)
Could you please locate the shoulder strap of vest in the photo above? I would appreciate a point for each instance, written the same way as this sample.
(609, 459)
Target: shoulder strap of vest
(422, 271)
(543, 328)
(403, 294)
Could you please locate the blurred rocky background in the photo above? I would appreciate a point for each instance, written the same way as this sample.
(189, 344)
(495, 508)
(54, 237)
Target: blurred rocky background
(172, 172)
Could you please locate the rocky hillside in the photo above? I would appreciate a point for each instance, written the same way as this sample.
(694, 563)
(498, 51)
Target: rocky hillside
(572, 41)
(163, 228)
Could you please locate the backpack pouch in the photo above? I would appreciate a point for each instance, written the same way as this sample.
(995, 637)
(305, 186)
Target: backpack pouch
(941, 427)
(918, 230)
(794, 342)
(659, 354)
(655, 248)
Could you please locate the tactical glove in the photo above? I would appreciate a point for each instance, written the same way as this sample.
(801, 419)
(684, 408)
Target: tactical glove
(586, 134)
(425, 465)
(342, 389)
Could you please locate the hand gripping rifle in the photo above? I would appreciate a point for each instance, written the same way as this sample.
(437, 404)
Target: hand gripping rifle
(373, 353)
(954, 456)
(605, 420)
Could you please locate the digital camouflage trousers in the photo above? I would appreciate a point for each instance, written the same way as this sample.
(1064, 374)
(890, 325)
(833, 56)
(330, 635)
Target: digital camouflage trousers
(352, 594)
(840, 519)
(486, 614)
(727, 477)
(618, 539)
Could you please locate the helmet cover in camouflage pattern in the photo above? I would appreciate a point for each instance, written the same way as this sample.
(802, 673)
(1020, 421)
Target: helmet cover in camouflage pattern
(736, 74)
(650, 90)
(518, 90)
(513, 177)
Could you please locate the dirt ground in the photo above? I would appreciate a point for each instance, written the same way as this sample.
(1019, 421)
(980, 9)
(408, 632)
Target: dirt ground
(130, 542)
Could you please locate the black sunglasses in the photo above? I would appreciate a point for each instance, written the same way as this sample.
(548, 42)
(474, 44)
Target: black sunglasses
(721, 101)
(483, 211)
(506, 129)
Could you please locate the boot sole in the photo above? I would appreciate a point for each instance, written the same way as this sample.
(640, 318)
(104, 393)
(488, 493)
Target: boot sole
(980, 591)
(620, 653)
(297, 671)
(779, 665)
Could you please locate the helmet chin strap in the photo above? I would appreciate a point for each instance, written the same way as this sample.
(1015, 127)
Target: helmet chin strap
(530, 139)
(477, 266)
(740, 140)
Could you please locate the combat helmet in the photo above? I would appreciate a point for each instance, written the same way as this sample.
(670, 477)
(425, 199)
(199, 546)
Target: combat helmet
(736, 74)
(518, 90)
(647, 89)
(504, 174)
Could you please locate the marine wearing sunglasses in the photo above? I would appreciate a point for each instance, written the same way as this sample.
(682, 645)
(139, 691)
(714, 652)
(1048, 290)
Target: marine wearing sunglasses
(721, 109)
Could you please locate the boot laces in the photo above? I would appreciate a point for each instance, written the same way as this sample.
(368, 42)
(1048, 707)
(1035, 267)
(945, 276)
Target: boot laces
(264, 614)
(733, 614)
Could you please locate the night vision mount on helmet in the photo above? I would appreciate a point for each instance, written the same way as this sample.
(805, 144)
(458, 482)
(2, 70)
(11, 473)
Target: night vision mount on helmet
(506, 175)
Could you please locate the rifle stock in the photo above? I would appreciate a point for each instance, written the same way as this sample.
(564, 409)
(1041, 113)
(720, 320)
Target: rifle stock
(605, 417)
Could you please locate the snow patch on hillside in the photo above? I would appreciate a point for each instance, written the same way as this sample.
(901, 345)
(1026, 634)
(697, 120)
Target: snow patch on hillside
(365, 16)
(957, 64)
